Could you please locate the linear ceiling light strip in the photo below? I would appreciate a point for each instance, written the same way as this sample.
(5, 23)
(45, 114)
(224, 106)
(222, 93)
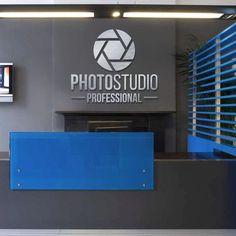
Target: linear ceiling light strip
(89, 14)
(196, 15)
(38, 14)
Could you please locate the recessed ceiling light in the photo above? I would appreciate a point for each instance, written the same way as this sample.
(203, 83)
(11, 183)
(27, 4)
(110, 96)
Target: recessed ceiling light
(196, 15)
(116, 14)
(46, 14)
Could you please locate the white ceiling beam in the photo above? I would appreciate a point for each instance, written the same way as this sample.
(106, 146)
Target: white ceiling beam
(207, 2)
(145, 2)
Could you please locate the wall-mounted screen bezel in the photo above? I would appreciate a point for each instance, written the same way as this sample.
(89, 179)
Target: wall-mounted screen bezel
(6, 80)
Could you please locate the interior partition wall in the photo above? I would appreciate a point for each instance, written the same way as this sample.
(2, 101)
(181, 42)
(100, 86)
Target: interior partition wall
(212, 95)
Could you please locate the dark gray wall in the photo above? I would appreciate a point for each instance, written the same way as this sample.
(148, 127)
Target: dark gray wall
(45, 52)
(73, 53)
(203, 30)
(37, 48)
(27, 43)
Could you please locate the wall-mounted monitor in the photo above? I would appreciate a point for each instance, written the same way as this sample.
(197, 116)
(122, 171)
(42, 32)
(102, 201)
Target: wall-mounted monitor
(6, 76)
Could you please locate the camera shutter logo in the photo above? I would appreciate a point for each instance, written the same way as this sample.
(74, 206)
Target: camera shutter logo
(114, 50)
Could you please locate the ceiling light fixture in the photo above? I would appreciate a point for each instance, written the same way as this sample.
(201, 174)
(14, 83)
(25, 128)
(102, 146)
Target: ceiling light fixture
(39, 14)
(116, 14)
(195, 15)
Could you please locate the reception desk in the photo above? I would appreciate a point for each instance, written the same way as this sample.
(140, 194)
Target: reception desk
(189, 193)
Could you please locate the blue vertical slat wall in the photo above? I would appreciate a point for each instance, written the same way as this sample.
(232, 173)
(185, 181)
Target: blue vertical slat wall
(212, 94)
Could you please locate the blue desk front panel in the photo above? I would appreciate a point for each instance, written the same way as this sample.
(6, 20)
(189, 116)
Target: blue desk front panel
(81, 160)
(198, 144)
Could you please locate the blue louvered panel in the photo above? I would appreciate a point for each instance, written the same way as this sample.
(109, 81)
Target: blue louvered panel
(212, 91)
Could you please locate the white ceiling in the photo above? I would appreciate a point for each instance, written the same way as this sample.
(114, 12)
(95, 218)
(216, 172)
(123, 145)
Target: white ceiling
(148, 2)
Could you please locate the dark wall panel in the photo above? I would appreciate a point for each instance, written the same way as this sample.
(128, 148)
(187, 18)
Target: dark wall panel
(154, 54)
(37, 48)
(27, 43)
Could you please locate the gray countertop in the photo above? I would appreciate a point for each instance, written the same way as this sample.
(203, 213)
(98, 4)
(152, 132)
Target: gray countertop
(170, 156)
(4, 156)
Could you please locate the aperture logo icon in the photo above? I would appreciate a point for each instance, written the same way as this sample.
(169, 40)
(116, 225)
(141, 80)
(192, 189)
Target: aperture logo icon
(114, 50)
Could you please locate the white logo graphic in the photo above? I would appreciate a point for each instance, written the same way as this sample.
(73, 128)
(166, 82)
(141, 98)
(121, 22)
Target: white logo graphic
(114, 50)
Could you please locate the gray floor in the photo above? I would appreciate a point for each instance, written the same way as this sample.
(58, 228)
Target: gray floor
(7, 232)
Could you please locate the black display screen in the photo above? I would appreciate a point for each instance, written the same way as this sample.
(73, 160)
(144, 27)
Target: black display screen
(5, 79)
